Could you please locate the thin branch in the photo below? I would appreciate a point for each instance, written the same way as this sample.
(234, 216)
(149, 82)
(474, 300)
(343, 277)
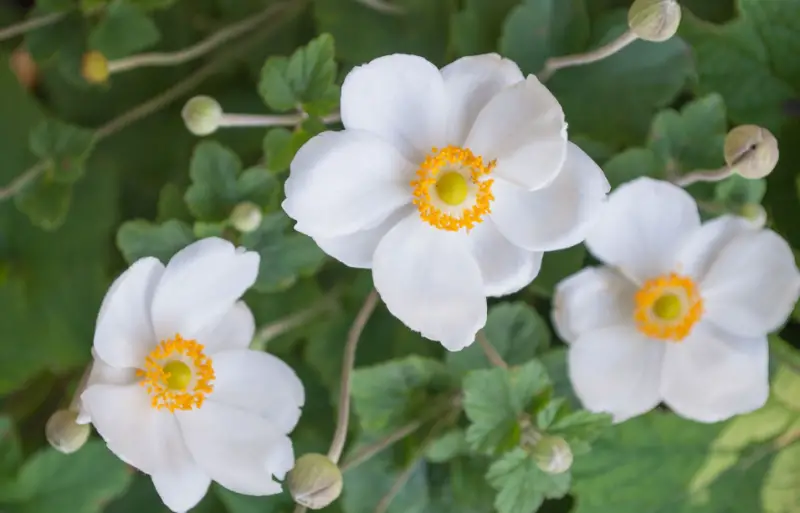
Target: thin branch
(292, 321)
(340, 435)
(249, 120)
(75, 403)
(556, 63)
(198, 50)
(28, 25)
(371, 450)
(18, 183)
(703, 175)
(382, 6)
(491, 353)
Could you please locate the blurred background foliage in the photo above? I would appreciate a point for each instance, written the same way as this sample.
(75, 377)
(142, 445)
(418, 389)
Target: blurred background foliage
(113, 181)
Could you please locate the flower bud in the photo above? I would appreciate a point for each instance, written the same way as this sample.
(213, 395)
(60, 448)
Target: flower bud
(94, 67)
(202, 115)
(755, 214)
(315, 481)
(64, 434)
(246, 217)
(552, 454)
(654, 20)
(24, 67)
(751, 151)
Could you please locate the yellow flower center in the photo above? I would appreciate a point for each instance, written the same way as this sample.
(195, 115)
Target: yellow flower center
(177, 375)
(667, 307)
(452, 190)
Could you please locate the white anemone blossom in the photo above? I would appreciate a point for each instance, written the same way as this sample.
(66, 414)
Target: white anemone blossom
(175, 391)
(449, 184)
(680, 311)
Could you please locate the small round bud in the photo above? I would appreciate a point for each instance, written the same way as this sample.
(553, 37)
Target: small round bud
(202, 115)
(24, 67)
(246, 217)
(315, 481)
(755, 214)
(64, 434)
(654, 20)
(552, 454)
(94, 67)
(751, 151)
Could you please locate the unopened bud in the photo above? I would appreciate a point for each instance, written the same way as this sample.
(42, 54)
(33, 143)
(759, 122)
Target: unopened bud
(552, 454)
(654, 20)
(64, 434)
(751, 151)
(202, 115)
(315, 481)
(94, 67)
(755, 214)
(24, 67)
(246, 217)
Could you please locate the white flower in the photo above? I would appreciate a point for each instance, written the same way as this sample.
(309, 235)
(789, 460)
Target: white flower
(679, 313)
(175, 391)
(449, 184)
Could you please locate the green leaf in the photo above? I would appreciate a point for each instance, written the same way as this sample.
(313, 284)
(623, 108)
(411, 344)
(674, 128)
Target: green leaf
(64, 146)
(51, 482)
(448, 446)
(10, 449)
(476, 29)
(63, 41)
(389, 395)
(495, 398)
(280, 147)
(123, 30)
(735, 192)
(579, 428)
(237, 503)
(218, 184)
(171, 204)
(521, 485)
(539, 29)
(284, 257)
(625, 89)
(692, 139)
(138, 239)
(557, 265)
(632, 164)
(778, 25)
(45, 201)
(306, 78)
(517, 332)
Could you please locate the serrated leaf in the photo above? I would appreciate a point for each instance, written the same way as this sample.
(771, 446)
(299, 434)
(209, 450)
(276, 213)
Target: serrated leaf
(579, 428)
(280, 147)
(45, 201)
(304, 79)
(536, 30)
(10, 449)
(448, 446)
(521, 485)
(123, 30)
(736, 191)
(65, 147)
(389, 395)
(557, 265)
(631, 164)
(495, 398)
(517, 332)
(138, 239)
(51, 482)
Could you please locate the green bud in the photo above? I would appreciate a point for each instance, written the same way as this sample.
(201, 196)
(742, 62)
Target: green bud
(315, 481)
(246, 217)
(552, 454)
(94, 67)
(751, 151)
(654, 20)
(755, 214)
(202, 115)
(64, 434)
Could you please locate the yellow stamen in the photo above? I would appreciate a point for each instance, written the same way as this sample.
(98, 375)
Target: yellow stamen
(667, 307)
(449, 173)
(177, 375)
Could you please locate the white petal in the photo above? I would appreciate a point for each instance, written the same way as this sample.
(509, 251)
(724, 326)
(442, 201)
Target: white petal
(594, 298)
(201, 283)
(642, 228)
(138, 434)
(703, 246)
(523, 128)
(712, 375)
(400, 98)
(470, 82)
(258, 383)
(753, 285)
(234, 331)
(184, 484)
(505, 267)
(429, 280)
(616, 370)
(555, 217)
(356, 249)
(240, 450)
(343, 182)
(104, 374)
(124, 334)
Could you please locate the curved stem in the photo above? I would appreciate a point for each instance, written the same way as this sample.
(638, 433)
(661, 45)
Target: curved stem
(343, 418)
(491, 353)
(368, 452)
(31, 24)
(248, 120)
(556, 63)
(75, 403)
(382, 6)
(703, 175)
(292, 321)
